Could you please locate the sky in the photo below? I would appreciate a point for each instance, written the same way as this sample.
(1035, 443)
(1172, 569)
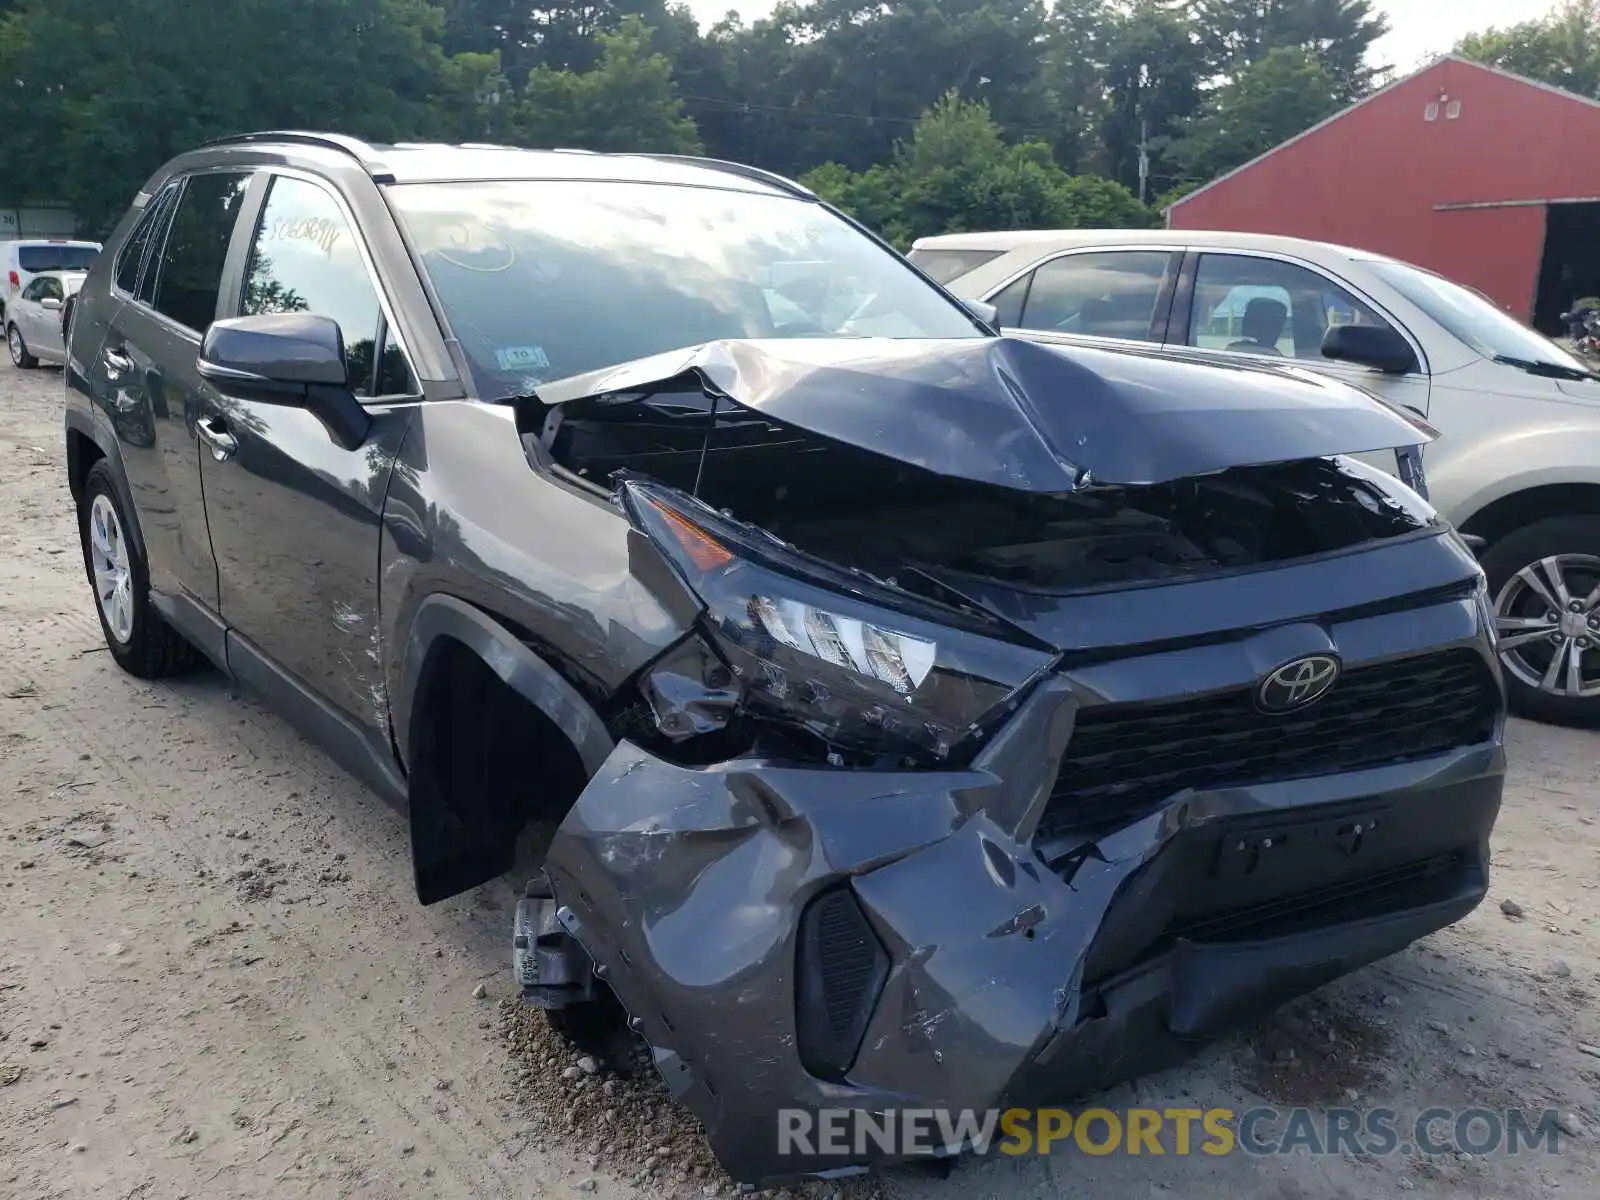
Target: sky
(1419, 29)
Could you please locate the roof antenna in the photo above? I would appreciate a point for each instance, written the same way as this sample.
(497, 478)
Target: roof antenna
(711, 428)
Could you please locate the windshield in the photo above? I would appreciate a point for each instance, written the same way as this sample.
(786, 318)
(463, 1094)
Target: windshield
(548, 278)
(34, 259)
(1467, 315)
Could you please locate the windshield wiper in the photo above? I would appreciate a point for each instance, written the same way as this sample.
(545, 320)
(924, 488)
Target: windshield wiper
(1547, 370)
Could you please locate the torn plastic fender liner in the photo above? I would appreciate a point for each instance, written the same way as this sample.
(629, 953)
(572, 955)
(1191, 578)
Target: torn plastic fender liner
(1015, 413)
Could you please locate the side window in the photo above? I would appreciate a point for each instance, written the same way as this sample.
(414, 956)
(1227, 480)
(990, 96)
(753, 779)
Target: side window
(161, 221)
(189, 275)
(394, 373)
(305, 258)
(50, 289)
(35, 290)
(943, 266)
(1266, 306)
(131, 257)
(1008, 301)
(1105, 294)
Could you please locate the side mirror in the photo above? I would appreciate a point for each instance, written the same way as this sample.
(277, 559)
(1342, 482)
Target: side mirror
(1375, 346)
(292, 359)
(50, 303)
(984, 311)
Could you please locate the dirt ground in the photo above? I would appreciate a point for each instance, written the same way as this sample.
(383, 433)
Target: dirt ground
(215, 980)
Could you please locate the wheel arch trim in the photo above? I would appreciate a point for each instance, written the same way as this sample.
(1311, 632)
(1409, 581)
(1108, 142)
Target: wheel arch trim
(441, 616)
(1542, 496)
(84, 425)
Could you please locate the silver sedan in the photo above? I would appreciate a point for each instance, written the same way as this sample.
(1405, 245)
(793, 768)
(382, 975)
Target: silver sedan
(34, 319)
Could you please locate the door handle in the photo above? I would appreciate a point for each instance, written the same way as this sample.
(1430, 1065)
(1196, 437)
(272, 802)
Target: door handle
(117, 363)
(214, 433)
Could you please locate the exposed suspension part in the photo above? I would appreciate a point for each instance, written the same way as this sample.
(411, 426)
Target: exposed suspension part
(552, 969)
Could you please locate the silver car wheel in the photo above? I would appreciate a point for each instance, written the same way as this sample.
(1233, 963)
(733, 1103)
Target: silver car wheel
(14, 344)
(1547, 619)
(113, 574)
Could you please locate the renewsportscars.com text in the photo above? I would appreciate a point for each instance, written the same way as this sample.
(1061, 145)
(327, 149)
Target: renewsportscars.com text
(1161, 1131)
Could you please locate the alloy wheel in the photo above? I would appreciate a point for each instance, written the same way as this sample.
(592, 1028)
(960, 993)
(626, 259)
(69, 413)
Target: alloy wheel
(14, 344)
(1547, 618)
(113, 573)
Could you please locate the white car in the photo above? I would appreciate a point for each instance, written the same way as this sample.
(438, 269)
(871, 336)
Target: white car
(35, 318)
(1517, 464)
(23, 258)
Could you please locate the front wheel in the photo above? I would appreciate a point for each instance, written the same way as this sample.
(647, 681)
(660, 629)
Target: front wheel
(139, 639)
(1544, 580)
(19, 350)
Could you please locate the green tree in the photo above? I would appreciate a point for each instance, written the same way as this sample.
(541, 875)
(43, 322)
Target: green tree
(1562, 50)
(1154, 70)
(101, 92)
(957, 173)
(472, 99)
(626, 103)
(561, 34)
(1269, 101)
(1337, 33)
(1073, 74)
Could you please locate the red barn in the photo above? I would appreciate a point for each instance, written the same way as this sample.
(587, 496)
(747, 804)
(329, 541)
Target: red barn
(1489, 178)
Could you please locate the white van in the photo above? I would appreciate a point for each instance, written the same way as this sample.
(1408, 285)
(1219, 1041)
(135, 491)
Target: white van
(23, 258)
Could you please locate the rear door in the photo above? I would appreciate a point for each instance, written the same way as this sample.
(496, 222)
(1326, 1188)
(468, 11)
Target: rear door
(1120, 294)
(144, 372)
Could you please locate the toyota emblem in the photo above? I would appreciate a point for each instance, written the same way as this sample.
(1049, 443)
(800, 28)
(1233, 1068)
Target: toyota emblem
(1297, 683)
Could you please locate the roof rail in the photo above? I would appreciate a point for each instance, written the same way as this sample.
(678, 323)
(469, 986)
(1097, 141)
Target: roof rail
(354, 147)
(744, 170)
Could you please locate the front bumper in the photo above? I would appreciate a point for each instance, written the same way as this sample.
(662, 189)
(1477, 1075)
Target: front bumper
(796, 938)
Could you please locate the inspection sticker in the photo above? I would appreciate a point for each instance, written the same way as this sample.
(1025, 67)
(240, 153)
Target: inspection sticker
(522, 358)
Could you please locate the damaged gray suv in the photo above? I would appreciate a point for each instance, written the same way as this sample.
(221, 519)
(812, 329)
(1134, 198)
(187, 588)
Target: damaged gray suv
(900, 715)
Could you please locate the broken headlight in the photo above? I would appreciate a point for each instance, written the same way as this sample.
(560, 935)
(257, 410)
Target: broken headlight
(863, 666)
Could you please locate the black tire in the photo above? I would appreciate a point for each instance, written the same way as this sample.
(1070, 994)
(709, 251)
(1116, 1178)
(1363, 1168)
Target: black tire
(153, 649)
(1502, 561)
(20, 357)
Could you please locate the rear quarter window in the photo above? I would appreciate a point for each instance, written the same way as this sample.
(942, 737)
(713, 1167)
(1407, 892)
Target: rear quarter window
(944, 265)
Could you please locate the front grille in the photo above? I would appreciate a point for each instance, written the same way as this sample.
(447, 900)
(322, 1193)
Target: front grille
(1392, 890)
(1124, 759)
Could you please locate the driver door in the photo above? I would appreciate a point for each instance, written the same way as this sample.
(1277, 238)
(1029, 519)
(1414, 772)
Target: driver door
(1235, 295)
(294, 517)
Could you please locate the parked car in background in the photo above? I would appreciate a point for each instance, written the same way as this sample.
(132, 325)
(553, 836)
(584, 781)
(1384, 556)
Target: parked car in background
(36, 319)
(834, 657)
(1518, 460)
(23, 258)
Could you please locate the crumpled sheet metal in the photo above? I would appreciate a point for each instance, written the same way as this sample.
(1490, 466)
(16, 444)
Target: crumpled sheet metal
(1017, 414)
(687, 885)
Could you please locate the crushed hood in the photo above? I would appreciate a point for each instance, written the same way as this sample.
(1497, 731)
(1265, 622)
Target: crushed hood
(1017, 414)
